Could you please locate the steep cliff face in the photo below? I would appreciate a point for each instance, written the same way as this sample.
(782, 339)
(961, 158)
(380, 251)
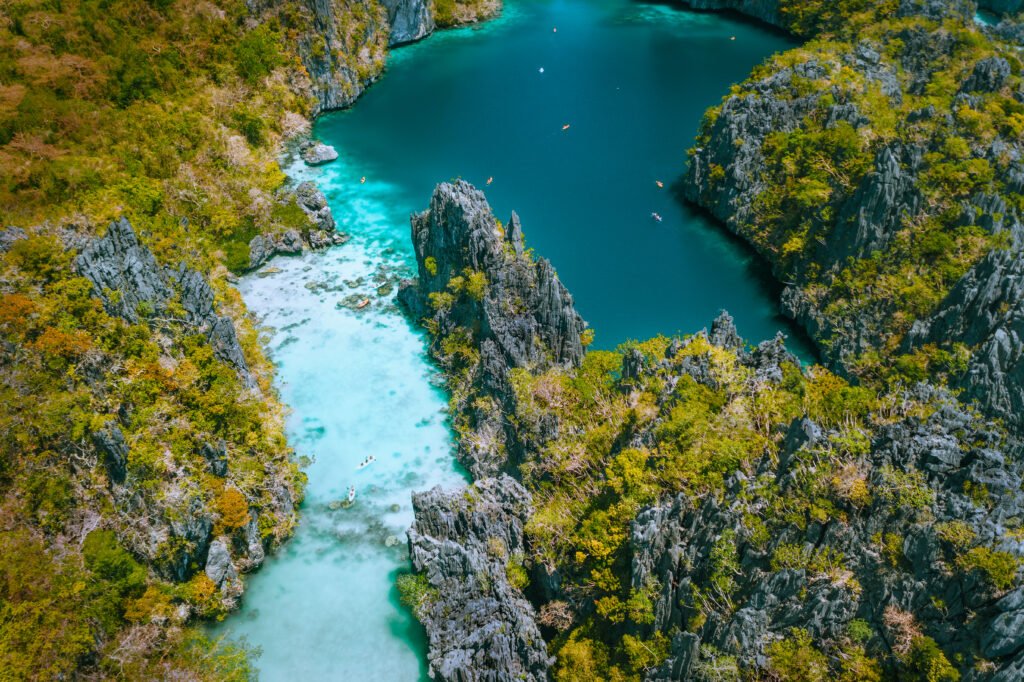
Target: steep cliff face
(342, 45)
(985, 311)
(469, 545)
(410, 20)
(127, 279)
(492, 308)
(131, 285)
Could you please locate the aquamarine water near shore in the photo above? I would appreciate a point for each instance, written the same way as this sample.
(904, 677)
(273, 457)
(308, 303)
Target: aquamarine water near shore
(631, 81)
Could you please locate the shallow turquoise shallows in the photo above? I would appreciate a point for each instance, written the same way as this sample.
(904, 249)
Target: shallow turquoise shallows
(630, 81)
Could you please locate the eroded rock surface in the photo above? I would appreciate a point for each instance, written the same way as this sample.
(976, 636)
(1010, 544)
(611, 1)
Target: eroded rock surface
(480, 626)
(477, 281)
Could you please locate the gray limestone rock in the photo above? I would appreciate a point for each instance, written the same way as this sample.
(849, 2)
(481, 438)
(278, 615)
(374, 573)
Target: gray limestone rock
(318, 153)
(410, 20)
(219, 567)
(479, 626)
(9, 236)
(124, 274)
(128, 281)
(110, 442)
(216, 457)
(524, 317)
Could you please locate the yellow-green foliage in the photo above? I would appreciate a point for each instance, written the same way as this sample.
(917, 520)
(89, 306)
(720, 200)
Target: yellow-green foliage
(811, 170)
(925, 662)
(416, 593)
(233, 508)
(170, 113)
(999, 568)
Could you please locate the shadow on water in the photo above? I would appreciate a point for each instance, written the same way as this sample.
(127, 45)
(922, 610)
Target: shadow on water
(730, 14)
(405, 626)
(756, 267)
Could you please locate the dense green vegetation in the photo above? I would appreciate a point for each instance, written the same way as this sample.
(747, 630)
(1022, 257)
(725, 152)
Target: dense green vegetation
(172, 114)
(158, 111)
(70, 370)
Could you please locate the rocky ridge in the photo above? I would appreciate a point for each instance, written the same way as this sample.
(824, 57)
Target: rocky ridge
(478, 285)
(131, 285)
(730, 175)
(126, 278)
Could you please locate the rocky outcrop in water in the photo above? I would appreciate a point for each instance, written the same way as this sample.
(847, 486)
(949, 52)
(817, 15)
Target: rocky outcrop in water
(126, 278)
(318, 153)
(320, 234)
(730, 175)
(480, 626)
(497, 306)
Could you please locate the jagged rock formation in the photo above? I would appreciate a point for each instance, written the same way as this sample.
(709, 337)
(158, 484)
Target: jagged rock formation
(410, 20)
(477, 282)
(985, 310)
(480, 626)
(130, 283)
(126, 278)
(676, 545)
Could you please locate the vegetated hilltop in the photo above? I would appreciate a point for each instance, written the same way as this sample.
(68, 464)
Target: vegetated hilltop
(879, 169)
(143, 464)
(694, 508)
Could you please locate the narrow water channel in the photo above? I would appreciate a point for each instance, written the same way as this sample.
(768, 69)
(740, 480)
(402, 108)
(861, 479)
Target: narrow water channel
(631, 81)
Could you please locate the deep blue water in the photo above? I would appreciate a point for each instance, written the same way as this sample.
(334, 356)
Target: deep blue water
(631, 80)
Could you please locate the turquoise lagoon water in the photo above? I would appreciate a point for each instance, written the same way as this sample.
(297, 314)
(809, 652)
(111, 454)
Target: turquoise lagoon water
(632, 81)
